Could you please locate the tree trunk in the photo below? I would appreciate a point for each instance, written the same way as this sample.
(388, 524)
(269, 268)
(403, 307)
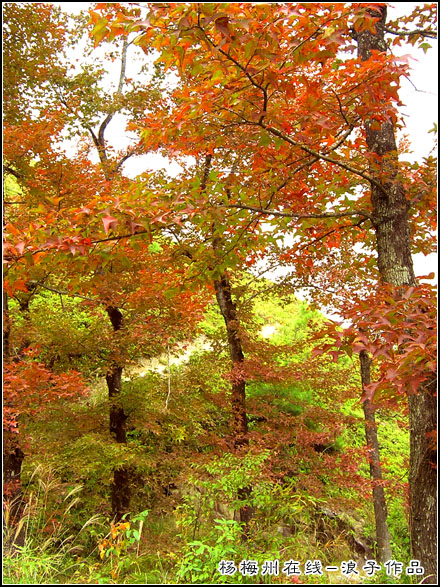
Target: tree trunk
(228, 310)
(423, 479)
(379, 503)
(6, 329)
(24, 301)
(238, 390)
(120, 491)
(13, 456)
(390, 220)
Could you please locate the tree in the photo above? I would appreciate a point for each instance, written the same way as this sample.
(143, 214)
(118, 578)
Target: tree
(277, 128)
(392, 228)
(296, 117)
(60, 193)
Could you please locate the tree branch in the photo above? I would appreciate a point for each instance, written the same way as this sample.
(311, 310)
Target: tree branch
(322, 156)
(323, 236)
(60, 292)
(8, 169)
(423, 33)
(110, 115)
(123, 159)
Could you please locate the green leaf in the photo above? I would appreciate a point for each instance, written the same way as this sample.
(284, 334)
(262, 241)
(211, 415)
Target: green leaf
(154, 248)
(250, 48)
(100, 30)
(265, 140)
(197, 68)
(425, 47)
(433, 129)
(218, 75)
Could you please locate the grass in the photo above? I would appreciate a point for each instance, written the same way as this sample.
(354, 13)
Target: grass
(41, 545)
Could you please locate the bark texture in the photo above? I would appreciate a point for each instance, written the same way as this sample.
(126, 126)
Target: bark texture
(390, 220)
(423, 479)
(238, 389)
(379, 503)
(238, 392)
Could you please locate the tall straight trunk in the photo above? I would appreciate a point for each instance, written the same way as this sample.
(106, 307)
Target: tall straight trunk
(120, 491)
(390, 220)
(423, 478)
(239, 426)
(228, 310)
(238, 389)
(379, 503)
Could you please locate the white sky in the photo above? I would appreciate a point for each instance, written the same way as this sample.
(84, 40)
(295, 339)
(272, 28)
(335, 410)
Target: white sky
(420, 96)
(420, 110)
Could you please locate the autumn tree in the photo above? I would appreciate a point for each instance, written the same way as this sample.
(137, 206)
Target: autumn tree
(313, 129)
(280, 131)
(58, 232)
(392, 228)
(24, 76)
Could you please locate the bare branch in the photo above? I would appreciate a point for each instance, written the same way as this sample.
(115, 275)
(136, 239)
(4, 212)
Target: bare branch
(110, 115)
(123, 159)
(423, 33)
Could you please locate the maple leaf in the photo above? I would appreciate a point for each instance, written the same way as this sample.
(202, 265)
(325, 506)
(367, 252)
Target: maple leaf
(222, 25)
(109, 223)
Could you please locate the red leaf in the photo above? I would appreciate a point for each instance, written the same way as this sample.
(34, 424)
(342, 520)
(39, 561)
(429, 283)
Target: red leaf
(20, 247)
(108, 221)
(20, 285)
(222, 25)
